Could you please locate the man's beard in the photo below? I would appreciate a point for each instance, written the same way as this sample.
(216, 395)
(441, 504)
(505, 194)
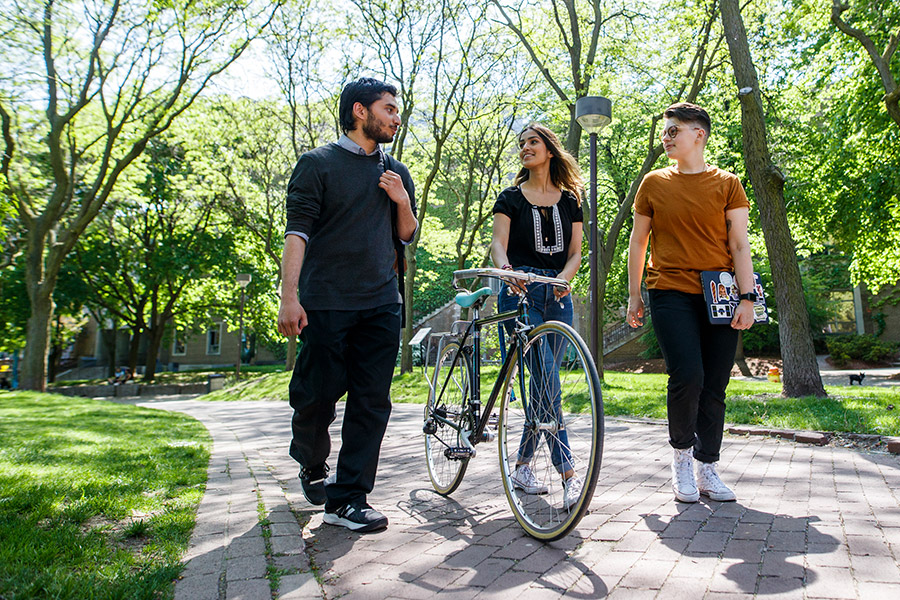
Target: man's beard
(372, 131)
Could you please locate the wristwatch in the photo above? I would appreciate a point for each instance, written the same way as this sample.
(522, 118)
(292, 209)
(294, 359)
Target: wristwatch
(751, 296)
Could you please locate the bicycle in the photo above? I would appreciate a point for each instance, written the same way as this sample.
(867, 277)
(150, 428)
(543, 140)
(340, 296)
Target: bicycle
(565, 410)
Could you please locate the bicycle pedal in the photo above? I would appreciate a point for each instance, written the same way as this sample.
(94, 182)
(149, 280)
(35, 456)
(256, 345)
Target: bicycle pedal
(459, 453)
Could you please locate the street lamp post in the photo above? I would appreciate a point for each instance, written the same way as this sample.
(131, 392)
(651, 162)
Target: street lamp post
(594, 113)
(243, 279)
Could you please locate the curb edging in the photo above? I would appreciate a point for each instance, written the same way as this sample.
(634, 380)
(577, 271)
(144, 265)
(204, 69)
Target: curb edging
(816, 438)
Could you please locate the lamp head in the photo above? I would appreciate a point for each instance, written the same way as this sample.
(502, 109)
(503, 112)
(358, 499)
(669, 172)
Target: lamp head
(243, 279)
(593, 113)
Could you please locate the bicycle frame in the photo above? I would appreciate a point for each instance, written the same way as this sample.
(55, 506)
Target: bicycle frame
(479, 417)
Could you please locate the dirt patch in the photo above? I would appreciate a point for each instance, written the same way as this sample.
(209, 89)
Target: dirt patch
(861, 442)
(638, 365)
(759, 366)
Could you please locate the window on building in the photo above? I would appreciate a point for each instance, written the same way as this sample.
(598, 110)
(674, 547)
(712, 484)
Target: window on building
(179, 344)
(842, 313)
(214, 339)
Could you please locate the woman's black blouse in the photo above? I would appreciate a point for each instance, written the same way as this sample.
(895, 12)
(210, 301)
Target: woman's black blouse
(539, 236)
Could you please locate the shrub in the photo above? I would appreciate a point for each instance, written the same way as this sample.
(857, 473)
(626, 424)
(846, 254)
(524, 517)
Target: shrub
(651, 345)
(762, 339)
(869, 348)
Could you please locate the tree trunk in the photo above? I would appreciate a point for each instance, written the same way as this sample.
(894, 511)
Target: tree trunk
(801, 371)
(37, 340)
(55, 353)
(134, 347)
(37, 332)
(109, 338)
(892, 104)
(573, 137)
(53, 362)
(155, 339)
(739, 359)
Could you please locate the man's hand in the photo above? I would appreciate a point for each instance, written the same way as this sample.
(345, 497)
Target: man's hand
(393, 185)
(291, 317)
(743, 315)
(635, 314)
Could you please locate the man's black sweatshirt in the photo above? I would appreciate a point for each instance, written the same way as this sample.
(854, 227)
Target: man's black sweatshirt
(333, 198)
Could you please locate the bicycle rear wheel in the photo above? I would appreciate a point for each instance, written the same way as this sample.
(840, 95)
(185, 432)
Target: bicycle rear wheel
(448, 419)
(551, 420)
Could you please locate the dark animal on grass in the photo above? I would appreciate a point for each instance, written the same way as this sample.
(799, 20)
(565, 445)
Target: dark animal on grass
(857, 378)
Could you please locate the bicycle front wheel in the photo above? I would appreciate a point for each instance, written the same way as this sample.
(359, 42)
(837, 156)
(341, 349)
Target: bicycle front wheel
(551, 431)
(448, 419)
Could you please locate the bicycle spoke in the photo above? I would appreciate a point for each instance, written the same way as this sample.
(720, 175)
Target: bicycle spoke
(446, 416)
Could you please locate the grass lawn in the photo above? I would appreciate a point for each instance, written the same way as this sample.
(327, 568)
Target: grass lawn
(856, 409)
(97, 500)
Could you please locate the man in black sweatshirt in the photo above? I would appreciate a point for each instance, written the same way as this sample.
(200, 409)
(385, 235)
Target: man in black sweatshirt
(350, 210)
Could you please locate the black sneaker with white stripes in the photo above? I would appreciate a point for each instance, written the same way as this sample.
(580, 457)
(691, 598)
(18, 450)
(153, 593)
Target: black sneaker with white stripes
(312, 481)
(357, 516)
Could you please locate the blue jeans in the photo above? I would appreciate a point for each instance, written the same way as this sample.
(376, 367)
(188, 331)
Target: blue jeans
(543, 365)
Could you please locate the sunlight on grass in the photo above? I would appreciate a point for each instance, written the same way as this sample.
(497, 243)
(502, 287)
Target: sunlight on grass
(272, 386)
(97, 500)
(849, 409)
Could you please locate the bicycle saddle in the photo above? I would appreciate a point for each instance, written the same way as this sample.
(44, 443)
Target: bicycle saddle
(467, 299)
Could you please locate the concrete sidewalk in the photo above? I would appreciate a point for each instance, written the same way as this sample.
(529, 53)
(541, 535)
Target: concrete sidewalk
(810, 522)
(880, 376)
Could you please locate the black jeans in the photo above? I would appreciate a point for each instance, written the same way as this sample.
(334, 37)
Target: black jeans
(352, 352)
(699, 357)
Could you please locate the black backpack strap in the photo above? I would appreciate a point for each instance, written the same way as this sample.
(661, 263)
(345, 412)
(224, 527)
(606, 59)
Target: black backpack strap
(399, 246)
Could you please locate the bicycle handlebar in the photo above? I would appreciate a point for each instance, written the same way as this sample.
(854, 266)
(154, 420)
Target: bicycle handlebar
(504, 274)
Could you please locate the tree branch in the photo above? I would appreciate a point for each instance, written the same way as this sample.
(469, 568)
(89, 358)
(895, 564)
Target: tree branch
(534, 57)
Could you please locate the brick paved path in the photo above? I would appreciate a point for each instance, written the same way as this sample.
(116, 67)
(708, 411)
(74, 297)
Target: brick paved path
(810, 522)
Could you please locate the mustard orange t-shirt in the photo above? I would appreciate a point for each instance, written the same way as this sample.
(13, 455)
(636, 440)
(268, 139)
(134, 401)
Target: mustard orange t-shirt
(687, 224)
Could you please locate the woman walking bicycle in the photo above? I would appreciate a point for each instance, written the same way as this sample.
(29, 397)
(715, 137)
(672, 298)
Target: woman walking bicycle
(537, 229)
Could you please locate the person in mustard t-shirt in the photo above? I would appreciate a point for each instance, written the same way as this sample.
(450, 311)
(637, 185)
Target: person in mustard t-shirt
(695, 217)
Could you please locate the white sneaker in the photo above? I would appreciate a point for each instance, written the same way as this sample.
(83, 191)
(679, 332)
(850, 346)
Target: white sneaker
(709, 484)
(572, 490)
(683, 476)
(523, 479)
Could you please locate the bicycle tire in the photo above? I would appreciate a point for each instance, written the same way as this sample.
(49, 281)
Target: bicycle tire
(449, 402)
(573, 430)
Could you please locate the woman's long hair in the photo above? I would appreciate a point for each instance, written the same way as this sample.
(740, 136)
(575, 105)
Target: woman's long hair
(564, 171)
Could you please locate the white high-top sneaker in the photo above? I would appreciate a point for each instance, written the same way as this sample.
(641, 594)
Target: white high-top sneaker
(523, 478)
(683, 476)
(710, 485)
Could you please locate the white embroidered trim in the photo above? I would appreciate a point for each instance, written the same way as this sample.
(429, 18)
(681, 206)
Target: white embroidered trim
(539, 234)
